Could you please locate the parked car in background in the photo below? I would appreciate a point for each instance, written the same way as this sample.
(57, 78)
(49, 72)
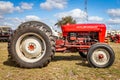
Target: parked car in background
(5, 33)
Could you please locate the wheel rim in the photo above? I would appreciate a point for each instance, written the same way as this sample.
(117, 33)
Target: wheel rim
(100, 56)
(30, 47)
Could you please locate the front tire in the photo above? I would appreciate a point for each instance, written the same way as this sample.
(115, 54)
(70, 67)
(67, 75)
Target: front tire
(100, 55)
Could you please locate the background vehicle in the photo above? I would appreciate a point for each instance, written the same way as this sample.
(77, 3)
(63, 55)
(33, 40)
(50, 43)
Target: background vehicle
(5, 33)
(115, 38)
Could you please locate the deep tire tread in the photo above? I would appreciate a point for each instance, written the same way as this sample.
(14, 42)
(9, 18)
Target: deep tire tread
(42, 27)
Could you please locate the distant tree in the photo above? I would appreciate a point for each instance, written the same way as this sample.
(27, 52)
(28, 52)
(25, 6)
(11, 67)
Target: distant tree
(66, 20)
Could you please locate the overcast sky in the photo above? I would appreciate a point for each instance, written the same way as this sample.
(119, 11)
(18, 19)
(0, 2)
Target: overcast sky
(14, 12)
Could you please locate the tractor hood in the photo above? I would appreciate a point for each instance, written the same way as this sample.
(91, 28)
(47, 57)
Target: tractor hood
(83, 27)
(99, 28)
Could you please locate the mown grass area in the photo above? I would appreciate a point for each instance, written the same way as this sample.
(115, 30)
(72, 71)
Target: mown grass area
(67, 66)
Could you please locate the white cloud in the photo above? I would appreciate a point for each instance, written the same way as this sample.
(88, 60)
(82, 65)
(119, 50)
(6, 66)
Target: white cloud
(95, 18)
(15, 22)
(6, 7)
(32, 17)
(26, 6)
(114, 16)
(114, 21)
(51, 4)
(12, 22)
(114, 12)
(1, 17)
(18, 9)
(77, 14)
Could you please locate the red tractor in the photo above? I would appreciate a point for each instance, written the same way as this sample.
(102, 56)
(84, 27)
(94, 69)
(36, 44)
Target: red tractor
(115, 38)
(33, 44)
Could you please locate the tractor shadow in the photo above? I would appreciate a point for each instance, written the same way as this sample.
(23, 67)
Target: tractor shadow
(10, 63)
(81, 61)
(66, 58)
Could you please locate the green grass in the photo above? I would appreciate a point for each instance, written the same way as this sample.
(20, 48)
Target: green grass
(67, 66)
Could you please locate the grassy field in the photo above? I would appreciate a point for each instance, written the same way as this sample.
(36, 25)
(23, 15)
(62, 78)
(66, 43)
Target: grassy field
(67, 66)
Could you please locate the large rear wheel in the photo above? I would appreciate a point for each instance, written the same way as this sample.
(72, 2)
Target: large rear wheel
(31, 46)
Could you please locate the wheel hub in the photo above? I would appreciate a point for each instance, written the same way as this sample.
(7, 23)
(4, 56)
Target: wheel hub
(100, 56)
(31, 47)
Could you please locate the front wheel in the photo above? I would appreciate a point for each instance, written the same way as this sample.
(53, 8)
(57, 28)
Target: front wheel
(100, 55)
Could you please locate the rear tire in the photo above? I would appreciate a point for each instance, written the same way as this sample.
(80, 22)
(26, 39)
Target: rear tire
(100, 55)
(31, 45)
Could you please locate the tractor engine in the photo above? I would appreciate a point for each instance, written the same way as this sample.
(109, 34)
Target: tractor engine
(82, 37)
